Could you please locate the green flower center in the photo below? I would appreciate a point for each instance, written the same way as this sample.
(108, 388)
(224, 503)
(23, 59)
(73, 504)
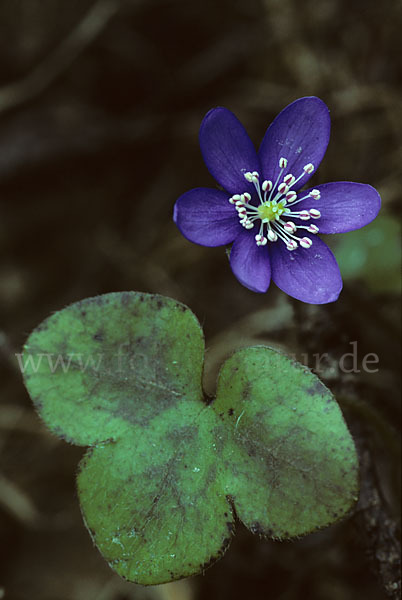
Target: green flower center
(270, 211)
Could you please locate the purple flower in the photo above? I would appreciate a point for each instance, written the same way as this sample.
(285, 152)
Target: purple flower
(262, 210)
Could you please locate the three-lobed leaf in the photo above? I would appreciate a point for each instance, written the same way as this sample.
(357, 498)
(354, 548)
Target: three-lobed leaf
(165, 471)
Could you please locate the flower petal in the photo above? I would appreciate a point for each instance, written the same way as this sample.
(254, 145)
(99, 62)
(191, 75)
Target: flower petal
(308, 274)
(300, 133)
(204, 216)
(344, 206)
(250, 263)
(227, 150)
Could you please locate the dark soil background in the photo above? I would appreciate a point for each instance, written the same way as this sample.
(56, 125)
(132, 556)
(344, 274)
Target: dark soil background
(100, 105)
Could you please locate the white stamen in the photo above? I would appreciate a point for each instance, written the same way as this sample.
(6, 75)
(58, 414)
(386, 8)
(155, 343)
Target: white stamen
(272, 235)
(315, 194)
(305, 242)
(291, 245)
(289, 179)
(313, 228)
(290, 227)
(266, 185)
(283, 163)
(291, 196)
(304, 215)
(283, 188)
(314, 213)
(309, 168)
(261, 240)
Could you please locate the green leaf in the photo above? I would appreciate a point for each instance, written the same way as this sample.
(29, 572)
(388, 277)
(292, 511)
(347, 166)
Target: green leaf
(165, 470)
(290, 462)
(113, 361)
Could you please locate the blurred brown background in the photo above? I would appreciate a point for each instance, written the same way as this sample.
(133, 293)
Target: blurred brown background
(100, 105)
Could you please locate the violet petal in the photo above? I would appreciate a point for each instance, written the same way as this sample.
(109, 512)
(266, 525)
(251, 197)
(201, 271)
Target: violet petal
(344, 206)
(300, 133)
(204, 216)
(227, 150)
(250, 263)
(307, 274)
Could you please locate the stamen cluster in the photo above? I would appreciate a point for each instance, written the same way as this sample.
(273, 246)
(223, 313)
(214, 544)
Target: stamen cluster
(275, 209)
